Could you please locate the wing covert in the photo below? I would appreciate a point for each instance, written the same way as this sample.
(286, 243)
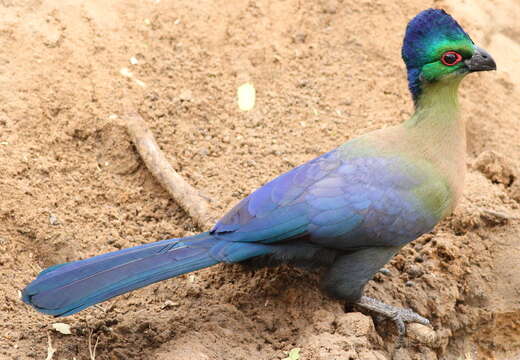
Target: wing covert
(363, 201)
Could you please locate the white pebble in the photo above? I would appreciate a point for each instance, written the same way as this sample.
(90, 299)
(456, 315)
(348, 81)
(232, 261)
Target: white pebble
(125, 72)
(246, 94)
(62, 328)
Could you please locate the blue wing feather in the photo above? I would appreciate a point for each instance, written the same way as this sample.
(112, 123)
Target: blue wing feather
(363, 201)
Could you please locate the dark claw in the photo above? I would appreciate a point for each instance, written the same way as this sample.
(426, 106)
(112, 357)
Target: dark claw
(398, 315)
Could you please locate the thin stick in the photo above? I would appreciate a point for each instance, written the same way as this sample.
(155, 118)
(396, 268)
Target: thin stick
(92, 350)
(499, 214)
(183, 193)
(50, 349)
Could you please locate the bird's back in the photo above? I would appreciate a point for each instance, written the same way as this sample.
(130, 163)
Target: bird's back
(359, 195)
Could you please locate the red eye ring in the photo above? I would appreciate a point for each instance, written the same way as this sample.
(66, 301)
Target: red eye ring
(451, 58)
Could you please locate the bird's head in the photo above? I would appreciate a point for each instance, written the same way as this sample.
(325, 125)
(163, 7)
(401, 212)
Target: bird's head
(437, 49)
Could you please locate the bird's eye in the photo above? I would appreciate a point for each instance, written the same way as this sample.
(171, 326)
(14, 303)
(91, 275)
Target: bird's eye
(451, 58)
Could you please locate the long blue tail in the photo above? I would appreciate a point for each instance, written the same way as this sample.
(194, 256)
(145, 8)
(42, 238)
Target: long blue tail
(65, 289)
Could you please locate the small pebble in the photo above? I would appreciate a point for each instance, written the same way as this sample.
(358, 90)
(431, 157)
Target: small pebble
(53, 220)
(246, 97)
(203, 151)
(300, 38)
(125, 72)
(62, 328)
(185, 95)
(385, 272)
(422, 334)
(169, 304)
(414, 271)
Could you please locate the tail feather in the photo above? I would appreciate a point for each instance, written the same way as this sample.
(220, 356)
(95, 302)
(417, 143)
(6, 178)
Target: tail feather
(68, 288)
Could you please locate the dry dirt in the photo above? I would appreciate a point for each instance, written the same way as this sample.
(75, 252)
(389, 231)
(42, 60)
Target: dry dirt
(73, 186)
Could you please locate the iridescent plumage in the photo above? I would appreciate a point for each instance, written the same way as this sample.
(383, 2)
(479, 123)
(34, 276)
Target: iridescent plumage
(349, 210)
(427, 36)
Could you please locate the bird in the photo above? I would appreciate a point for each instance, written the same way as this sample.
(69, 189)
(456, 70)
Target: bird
(348, 211)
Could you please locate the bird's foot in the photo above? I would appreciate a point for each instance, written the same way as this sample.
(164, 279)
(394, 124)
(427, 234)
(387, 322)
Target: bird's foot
(398, 315)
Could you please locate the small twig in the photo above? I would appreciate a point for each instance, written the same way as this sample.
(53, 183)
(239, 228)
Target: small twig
(50, 349)
(97, 306)
(499, 215)
(109, 307)
(36, 268)
(92, 350)
(183, 193)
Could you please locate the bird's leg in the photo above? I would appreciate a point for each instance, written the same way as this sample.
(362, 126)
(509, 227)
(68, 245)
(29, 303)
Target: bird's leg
(348, 276)
(398, 315)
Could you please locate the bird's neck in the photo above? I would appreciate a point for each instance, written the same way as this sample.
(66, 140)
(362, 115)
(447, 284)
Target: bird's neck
(436, 108)
(438, 133)
(436, 123)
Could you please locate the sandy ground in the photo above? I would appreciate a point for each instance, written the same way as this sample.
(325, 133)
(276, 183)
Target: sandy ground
(73, 186)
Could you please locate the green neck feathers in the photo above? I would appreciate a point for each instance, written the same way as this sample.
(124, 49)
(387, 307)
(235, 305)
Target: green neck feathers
(437, 107)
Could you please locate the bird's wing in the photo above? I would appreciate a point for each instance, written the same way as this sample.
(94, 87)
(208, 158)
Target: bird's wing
(273, 212)
(339, 203)
(371, 201)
